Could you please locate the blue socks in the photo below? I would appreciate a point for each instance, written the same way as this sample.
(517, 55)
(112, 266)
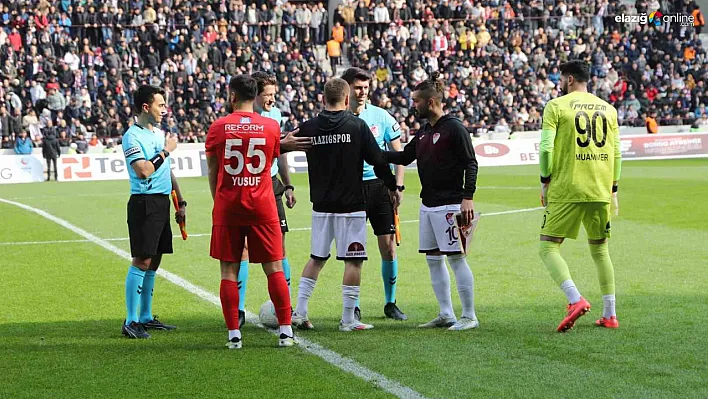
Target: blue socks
(133, 291)
(146, 296)
(242, 282)
(389, 273)
(286, 271)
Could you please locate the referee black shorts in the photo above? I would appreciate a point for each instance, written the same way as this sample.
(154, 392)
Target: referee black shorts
(379, 209)
(279, 190)
(149, 225)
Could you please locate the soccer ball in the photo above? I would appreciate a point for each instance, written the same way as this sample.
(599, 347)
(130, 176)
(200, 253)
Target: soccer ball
(267, 315)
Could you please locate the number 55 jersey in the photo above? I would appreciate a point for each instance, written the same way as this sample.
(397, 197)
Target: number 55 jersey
(581, 132)
(245, 145)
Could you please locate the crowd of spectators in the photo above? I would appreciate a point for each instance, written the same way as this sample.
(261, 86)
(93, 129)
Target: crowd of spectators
(500, 59)
(69, 67)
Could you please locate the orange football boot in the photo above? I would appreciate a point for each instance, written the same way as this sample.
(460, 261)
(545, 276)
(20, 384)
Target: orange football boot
(574, 312)
(608, 323)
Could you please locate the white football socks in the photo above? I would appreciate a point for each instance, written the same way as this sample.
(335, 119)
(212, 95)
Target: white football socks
(568, 286)
(608, 309)
(234, 334)
(440, 279)
(287, 330)
(304, 292)
(465, 284)
(350, 294)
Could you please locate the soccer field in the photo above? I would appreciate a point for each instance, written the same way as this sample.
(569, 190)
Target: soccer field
(63, 302)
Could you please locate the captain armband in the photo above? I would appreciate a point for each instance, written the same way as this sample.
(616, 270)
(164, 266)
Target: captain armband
(157, 160)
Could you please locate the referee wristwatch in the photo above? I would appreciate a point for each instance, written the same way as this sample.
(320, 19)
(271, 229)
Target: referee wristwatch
(401, 188)
(182, 204)
(290, 187)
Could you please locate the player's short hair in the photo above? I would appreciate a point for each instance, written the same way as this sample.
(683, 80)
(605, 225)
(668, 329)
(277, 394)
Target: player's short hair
(578, 69)
(433, 87)
(264, 79)
(145, 95)
(244, 86)
(354, 74)
(335, 91)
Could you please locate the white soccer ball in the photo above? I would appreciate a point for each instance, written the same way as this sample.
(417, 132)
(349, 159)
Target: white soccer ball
(267, 315)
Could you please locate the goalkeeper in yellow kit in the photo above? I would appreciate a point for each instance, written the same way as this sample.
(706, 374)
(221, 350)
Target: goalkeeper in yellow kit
(580, 166)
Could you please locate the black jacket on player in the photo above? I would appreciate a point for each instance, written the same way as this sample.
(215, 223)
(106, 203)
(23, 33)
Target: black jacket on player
(446, 160)
(341, 143)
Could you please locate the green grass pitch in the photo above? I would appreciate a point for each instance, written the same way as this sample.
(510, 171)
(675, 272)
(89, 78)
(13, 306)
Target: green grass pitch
(62, 303)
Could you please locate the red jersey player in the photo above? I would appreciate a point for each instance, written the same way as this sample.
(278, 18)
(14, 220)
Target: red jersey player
(240, 149)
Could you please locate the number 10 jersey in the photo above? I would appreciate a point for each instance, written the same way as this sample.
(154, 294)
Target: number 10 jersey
(581, 131)
(245, 145)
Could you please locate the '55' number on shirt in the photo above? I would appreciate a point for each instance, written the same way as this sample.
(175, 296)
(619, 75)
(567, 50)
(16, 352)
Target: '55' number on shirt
(234, 149)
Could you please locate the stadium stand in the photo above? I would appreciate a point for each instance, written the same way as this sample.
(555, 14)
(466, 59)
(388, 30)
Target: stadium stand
(77, 65)
(500, 58)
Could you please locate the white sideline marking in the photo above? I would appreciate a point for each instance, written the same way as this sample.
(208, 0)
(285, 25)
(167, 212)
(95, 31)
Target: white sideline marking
(209, 234)
(493, 213)
(83, 241)
(507, 188)
(331, 357)
(41, 242)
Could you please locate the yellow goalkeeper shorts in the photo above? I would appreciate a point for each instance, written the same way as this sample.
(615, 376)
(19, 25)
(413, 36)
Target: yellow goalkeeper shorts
(563, 219)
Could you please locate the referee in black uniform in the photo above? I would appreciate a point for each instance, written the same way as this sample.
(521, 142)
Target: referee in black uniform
(151, 181)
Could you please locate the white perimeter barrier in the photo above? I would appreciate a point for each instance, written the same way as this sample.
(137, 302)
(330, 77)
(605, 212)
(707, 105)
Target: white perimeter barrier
(189, 160)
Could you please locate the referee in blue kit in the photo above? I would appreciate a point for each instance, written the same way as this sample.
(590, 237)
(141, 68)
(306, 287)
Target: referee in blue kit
(147, 151)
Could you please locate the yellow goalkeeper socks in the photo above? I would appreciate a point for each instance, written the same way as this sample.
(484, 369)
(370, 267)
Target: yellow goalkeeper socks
(551, 257)
(605, 271)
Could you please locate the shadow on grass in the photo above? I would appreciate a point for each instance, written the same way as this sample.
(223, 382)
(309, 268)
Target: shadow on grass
(205, 333)
(645, 355)
(90, 358)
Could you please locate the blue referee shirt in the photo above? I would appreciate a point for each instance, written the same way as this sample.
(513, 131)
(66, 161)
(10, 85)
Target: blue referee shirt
(385, 130)
(140, 143)
(274, 114)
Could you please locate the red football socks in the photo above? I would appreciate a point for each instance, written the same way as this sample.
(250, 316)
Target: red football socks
(228, 293)
(280, 295)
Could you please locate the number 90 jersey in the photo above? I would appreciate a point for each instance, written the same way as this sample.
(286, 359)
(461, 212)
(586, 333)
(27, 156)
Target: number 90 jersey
(245, 145)
(584, 148)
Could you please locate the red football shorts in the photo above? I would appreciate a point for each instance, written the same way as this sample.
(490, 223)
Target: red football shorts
(265, 243)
